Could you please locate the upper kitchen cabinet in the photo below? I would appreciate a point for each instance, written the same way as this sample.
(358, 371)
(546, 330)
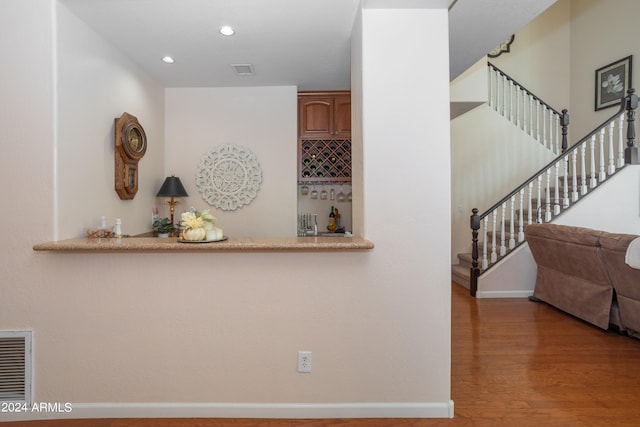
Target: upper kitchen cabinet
(324, 115)
(324, 136)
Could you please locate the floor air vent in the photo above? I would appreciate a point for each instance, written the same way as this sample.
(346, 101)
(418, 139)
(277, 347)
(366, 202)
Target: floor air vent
(15, 366)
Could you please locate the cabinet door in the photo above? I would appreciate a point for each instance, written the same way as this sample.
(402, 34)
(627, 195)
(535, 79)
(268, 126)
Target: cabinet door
(342, 117)
(315, 117)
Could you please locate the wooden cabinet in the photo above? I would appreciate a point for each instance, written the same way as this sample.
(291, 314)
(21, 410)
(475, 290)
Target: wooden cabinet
(324, 136)
(324, 114)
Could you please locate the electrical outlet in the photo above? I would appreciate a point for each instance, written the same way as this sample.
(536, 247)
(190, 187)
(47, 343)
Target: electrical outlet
(304, 361)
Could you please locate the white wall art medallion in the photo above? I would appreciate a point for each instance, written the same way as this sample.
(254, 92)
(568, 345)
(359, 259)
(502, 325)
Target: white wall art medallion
(229, 177)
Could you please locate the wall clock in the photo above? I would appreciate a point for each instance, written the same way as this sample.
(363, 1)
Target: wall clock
(130, 146)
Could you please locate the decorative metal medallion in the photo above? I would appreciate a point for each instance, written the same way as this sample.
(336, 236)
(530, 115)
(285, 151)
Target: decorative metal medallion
(504, 47)
(229, 177)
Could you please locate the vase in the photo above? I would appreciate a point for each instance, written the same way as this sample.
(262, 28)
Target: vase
(194, 234)
(163, 235)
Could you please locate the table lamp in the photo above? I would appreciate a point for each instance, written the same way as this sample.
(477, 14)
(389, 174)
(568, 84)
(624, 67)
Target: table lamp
(172, 187)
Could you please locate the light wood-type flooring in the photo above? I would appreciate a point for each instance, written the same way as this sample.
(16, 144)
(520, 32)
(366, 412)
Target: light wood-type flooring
(515, 363)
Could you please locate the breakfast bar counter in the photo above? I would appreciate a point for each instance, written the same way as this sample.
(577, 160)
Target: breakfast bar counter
(243, 244)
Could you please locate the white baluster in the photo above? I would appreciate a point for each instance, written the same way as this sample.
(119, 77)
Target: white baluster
(565, 202)
(524, 112)
(494, 255)
(498, 96)
(574, 178)
(539, 204)
(503, 248)
(602, 175)
(530, 210)
(593, 180)
(504, 95)
(556, 195)
(557, 133)
(512, 234)
(538, 120)
(612, 164)
(511, 101)
(583, 157)
(490, 85)
(544, 126)
(531, 115)
(521, 217)
(498, 80)
(547, 215)
(485, 261)
(518, 112)
(621, 144)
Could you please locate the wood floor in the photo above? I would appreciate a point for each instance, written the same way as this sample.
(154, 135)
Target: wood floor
(515, 363)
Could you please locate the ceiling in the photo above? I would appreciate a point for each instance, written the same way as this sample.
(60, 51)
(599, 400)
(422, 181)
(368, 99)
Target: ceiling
(305, 43)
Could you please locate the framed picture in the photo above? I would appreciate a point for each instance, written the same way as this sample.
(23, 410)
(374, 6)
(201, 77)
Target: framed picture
(612, 83)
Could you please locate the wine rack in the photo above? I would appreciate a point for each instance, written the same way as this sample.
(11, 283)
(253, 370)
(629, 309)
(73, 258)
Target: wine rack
(325, 160)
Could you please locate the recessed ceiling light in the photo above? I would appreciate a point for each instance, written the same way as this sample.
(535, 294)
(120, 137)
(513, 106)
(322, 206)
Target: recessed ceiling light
(226, 30)
(168, 60)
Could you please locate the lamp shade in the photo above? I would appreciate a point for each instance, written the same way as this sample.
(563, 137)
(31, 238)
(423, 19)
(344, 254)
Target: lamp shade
(172, 187)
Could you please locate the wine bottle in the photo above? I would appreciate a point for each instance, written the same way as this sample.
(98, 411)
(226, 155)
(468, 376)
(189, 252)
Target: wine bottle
(332, 220)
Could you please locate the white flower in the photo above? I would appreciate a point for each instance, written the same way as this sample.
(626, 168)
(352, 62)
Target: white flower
(193, 219)
(613, 84)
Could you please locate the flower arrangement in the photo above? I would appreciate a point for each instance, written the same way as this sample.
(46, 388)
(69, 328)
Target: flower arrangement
(195, 224)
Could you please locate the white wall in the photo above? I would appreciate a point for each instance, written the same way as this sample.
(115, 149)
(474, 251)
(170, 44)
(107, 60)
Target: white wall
(27, 129)
(178, 334)
(410, 228)
(96, 84)
(262, 119)
(621, 196)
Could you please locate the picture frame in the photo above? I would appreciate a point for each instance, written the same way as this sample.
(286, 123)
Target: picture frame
(612, 82)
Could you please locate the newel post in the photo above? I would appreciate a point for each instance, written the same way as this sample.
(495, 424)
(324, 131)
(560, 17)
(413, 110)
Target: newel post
(564, 122)
(631, 156)
(475, 271)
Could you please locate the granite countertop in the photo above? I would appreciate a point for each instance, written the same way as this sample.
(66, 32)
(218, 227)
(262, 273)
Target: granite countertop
(245, 244)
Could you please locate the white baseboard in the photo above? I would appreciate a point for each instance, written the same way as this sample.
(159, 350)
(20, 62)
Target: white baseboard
(504, 294)
(238, 410)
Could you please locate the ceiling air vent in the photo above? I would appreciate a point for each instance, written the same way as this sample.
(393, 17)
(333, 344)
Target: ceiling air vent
(15, 366)
(243, 69)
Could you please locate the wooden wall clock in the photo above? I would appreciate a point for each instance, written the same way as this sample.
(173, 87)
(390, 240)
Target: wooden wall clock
(130, 146)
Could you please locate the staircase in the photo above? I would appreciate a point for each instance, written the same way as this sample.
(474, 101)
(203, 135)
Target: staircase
(461, 272)
(555, 188)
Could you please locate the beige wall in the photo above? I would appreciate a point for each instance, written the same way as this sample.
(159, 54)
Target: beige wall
(602, 32)
(485, 167)
(540, 56)
(259, 118)
(555, 56)
(96, 84)
(217, 335)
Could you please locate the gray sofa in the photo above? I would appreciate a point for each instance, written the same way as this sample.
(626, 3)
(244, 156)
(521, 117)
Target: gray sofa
(583, 272)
